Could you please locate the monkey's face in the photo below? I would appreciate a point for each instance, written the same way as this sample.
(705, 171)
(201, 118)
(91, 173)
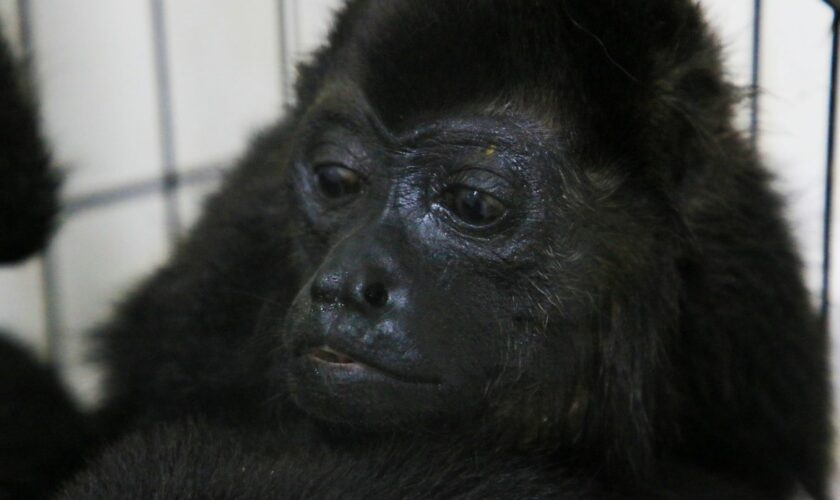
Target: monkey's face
(438, 268)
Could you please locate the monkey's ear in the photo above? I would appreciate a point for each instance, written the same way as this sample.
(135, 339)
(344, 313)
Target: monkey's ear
(27, 182)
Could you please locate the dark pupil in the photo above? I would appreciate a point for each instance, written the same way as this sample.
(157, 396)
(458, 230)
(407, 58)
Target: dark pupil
(476, 207)
(336, 181)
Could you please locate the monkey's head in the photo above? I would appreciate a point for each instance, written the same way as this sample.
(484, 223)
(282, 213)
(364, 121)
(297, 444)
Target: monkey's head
(482, 221)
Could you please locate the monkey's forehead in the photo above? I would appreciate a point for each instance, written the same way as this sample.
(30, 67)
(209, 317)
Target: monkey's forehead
(588, 59)
(504, 123)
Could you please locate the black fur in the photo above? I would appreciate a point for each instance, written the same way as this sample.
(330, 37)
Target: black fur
(197, 461)
(43, 436)
(645, 333)
(192, 460)
(27, 183)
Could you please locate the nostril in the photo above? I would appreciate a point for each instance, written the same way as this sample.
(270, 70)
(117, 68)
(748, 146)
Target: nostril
(376, 295)
(325, 287)
(318, 294)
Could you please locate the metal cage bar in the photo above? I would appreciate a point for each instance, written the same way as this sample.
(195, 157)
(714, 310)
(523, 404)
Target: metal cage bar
(825, 297)
(49, 282)
(166, 122)
(756, 73)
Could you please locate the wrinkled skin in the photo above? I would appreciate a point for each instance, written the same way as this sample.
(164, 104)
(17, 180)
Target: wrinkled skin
(412, 278)
(521, 232)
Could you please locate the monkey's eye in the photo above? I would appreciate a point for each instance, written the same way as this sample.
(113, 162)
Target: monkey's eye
(473, 206)
(337, 181)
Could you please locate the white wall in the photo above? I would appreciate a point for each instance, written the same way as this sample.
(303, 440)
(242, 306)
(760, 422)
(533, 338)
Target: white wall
(228, 69)
(99, 86)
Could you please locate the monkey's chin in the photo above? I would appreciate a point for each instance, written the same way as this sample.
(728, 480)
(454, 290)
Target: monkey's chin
(341, 390)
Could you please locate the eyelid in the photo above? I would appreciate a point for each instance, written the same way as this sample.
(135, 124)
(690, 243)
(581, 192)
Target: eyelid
(330, 154)
(484, 180)
(340, 155)
(334, 143)
(315, 166)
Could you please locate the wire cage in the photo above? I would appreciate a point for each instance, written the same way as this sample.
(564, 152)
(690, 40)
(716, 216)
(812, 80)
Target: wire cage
(147, 195)
(148, 102)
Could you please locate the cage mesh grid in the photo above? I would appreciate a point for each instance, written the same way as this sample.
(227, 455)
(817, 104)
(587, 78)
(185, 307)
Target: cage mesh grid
(171, 179)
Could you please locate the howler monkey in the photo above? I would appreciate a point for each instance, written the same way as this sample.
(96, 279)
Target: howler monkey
(497, 248)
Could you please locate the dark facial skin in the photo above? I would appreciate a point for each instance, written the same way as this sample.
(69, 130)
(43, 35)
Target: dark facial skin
(425, 249)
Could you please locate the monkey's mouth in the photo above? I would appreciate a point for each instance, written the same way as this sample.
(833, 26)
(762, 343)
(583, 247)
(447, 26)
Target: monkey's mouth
(346, 365)
(326, 354)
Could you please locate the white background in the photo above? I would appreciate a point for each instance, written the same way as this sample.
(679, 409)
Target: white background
(229, 66)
